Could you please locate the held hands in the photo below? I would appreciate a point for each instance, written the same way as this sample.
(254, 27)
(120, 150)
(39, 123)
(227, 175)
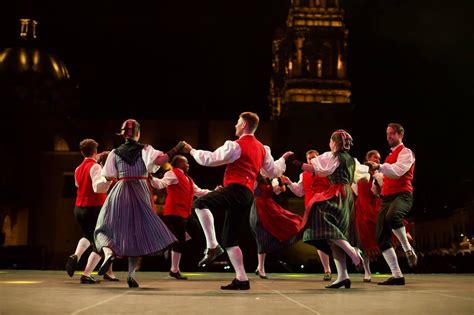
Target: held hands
(372, 166)
(187, 147)
(291, 159)
(285, 180)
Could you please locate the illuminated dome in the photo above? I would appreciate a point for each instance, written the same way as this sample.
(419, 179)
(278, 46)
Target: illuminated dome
(28, 59)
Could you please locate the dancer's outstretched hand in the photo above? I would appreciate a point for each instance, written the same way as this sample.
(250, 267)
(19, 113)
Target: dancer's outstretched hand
(288, 155)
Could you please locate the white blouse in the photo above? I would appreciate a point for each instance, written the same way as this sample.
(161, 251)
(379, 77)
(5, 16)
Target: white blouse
(326, 163)
(149, 156)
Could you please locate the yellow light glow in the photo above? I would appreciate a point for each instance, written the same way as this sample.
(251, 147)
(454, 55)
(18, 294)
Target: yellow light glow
(20, 282)
(193, 274)
(294, 275)
(339, 62)
(3, 55)
(23, 58)
(55, 65)
(35, 57)
(290, 65)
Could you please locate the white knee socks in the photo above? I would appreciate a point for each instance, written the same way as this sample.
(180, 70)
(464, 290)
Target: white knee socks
(82, 246)
(401, 234)
(237, 260)
(175, 259)
(207, 222)
(391, 259)
(340, 262)
(92, 261)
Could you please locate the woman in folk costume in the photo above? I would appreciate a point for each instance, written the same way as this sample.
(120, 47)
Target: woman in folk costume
(327, 216)
(128, 225)
(273, 227)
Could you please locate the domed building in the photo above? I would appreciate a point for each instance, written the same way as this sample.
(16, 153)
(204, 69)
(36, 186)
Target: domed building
(38, 96)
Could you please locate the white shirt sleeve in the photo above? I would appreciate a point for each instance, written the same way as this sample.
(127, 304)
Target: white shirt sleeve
(168, 179)
(227, 153)
(271, 168)
(297, 188)
(404, 161)
(99, 182)
(198, 192)
(149, 155)
(325, 164)
(361, 172)
(110, 170)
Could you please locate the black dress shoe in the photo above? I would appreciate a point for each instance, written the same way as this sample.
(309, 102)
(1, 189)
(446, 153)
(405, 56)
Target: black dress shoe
(106, 265)
(71, 265)
(344, 283)
(177, 275)
(393, 281)
(258, 274)
(210, 254)
(132, 283)
(88, 279)
(367, 280)
(237, 285)
(107, 277)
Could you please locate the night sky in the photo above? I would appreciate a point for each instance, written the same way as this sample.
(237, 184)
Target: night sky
(409, 62)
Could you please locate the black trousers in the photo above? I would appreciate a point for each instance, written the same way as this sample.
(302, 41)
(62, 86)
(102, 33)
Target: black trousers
(236, 200)
(392, 212)
(179, 226)
(86, 217)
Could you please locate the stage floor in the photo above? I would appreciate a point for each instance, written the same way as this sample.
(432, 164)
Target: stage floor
(53, 292)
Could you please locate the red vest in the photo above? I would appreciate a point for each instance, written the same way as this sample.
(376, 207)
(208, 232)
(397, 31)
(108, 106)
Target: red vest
(180, 196)
(245, 169)
(312, 184)
(86, 197)
(392, 186)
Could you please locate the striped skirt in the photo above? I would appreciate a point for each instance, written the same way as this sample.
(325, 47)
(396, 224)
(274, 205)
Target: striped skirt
(330, 220)
(127, 223)
(267, 243)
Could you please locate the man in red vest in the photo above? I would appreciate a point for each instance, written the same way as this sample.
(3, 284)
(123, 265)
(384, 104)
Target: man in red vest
(88, 203)
(397, 200)
(180, 189)
(244, 158)
(308, 185)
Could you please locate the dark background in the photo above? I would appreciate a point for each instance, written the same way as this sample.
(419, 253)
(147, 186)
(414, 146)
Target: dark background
(409, 62)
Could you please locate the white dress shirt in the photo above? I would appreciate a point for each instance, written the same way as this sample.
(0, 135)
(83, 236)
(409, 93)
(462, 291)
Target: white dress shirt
(230, 152)
(170, 178)
(405, 160)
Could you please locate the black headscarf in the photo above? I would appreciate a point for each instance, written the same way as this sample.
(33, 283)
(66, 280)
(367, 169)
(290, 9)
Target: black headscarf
(130, 151)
